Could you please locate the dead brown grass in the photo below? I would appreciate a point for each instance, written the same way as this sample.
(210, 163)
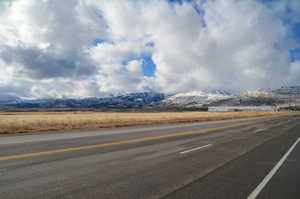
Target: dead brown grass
(21, 122)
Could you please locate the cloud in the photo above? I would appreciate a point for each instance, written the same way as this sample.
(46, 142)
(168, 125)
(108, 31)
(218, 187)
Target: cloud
(288, 10)
(48, 48)
(233, 50)
(116, 78)
(42, 64)
(112, 53)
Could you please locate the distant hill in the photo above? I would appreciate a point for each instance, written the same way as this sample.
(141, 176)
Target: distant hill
(195, 99)
(127, 101)
(290, 94)
(160, 101)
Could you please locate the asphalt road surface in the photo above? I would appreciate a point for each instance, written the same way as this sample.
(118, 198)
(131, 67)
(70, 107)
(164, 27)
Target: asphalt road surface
(246, 158)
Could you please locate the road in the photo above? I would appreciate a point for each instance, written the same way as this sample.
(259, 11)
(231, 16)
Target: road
(245, 158)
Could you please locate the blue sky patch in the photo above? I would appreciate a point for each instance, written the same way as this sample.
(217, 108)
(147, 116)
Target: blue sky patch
(295, 54)
(296, 31)
(179, 1)
(97, 41)
(148, 66)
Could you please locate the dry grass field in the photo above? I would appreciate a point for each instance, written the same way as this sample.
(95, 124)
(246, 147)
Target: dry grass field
(21, 122)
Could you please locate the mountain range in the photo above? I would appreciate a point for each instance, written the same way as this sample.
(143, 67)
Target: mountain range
(153, 100)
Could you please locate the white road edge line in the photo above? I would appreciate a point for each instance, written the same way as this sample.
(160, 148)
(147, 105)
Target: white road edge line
(194, 149)
(263, 183)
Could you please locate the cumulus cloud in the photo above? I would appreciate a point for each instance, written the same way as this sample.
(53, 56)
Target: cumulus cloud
(79, 48)
(41, 64)
(110, 53)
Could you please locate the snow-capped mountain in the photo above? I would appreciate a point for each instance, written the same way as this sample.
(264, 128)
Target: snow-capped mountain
(196, 98)
(289, 94)
(132, 100)
(257, 97)
(288, 90)
(259, 93)
(152, 100)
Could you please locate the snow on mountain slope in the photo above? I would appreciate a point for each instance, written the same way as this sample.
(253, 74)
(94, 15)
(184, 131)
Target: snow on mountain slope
(259, 93)
(131, 100)
(196, 98)
(288, 91)
(257, 97)
(152, 100)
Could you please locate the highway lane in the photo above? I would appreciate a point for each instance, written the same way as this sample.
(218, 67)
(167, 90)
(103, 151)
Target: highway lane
(248, 176)
(56, 140)
(286, 180)
(148, 168)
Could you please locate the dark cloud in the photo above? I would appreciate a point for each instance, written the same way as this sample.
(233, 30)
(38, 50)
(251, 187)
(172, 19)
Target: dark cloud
(14, 91)
(41, 64)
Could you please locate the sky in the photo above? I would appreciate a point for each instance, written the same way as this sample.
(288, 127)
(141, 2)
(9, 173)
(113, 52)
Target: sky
(95, 48)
